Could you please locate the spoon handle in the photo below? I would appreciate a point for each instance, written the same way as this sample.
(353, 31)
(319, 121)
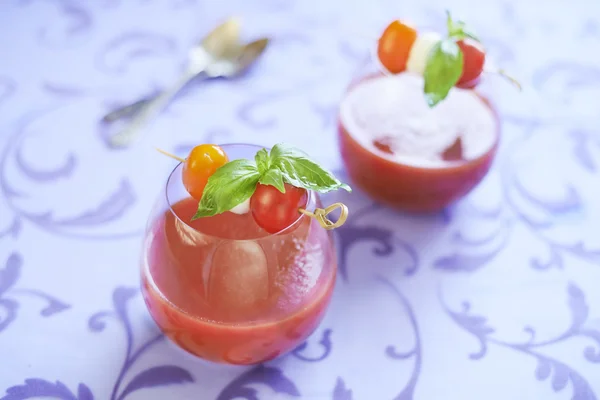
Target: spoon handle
(131, 109)
(149, 110)
(128, 110)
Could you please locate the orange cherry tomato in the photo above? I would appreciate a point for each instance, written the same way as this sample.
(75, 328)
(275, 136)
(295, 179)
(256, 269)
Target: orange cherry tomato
(202, 162)
(394, 46)
(473, 61)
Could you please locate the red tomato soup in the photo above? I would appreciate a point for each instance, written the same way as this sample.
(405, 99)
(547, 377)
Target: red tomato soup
(225, 290)
(410, 156)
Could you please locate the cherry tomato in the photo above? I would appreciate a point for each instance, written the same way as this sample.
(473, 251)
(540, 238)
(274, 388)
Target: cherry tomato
(274, 211)
(202, 162)
(473, 60)
(394, 46)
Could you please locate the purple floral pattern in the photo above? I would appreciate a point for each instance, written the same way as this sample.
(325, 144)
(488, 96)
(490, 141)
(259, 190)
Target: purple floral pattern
(38, 387)
(152, 377)
(341, 392)
(556, 372)
(270, 376)
(10, 292)
(493, 298)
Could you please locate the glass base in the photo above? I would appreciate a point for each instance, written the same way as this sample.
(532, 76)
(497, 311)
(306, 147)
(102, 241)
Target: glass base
(203, 362)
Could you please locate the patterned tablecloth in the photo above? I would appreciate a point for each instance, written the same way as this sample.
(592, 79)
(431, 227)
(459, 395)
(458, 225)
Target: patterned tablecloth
(496, 298)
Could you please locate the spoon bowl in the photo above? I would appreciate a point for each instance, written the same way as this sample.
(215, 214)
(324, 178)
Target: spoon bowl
(238, 62)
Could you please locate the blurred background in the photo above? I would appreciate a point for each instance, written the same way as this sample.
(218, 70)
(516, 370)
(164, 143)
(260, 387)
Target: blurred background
(66, 64)
(72, 209)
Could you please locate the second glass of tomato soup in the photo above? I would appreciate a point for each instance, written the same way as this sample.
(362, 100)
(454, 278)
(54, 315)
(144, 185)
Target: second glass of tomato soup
(224, 289)
(406, 154)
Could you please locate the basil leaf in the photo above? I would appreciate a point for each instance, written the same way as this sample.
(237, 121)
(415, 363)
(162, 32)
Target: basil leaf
(273, 177)
(300, 171)
(442, 71)
(263, 161)
(458, 30)
(230, 185)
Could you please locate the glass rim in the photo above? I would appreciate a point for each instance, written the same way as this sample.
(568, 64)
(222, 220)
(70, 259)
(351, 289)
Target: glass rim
(301, 216)
(370, 59)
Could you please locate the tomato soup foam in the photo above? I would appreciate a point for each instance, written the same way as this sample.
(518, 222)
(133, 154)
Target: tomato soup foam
(391, 109)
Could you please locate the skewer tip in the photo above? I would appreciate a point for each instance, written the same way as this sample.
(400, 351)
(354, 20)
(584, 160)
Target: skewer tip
(173, 156)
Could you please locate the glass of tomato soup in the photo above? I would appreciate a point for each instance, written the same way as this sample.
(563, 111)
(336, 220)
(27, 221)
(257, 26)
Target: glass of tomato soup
(406, 154)
(224, 289)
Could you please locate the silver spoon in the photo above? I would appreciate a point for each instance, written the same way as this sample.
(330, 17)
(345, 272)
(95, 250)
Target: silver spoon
(216, 44)
(220, 42)
(233, 63)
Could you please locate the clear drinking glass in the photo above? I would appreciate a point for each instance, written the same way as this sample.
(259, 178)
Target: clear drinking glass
(406, 155)
(223, 289)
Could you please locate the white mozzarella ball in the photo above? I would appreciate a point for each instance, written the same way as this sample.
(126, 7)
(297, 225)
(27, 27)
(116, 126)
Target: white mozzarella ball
(419, 52)
(241, 208)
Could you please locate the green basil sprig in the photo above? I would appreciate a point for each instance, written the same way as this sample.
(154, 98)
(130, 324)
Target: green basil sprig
(235, 182)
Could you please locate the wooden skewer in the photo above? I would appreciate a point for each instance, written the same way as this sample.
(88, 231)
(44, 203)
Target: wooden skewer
(166, 153)
(502, 73)
(319, 214)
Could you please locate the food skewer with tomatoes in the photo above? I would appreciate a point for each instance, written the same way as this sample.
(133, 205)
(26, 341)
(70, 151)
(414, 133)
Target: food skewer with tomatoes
(458, 59)
(272, 188)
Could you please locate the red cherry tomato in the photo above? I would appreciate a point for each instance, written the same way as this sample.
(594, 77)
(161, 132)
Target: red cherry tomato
(394, 46)
(473, 60)
(202, 162)
(274, 211)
